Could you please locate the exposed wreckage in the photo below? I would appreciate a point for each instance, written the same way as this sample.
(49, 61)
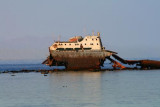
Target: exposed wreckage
(88, 53)
(78, 53)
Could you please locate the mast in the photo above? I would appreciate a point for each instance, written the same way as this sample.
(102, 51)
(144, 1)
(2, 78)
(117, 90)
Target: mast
(98, 34)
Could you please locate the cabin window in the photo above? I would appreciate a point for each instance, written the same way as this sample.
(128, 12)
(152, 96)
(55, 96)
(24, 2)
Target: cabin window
(92, 39)
(85, 44)
(69, 44)
(65, 44)
(91, 43)
(97, 43)
(69, 48)
(86, 39)
(60, 49)
(59, 44)
(96, 39)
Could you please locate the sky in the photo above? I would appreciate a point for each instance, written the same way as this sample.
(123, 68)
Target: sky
(29, 27)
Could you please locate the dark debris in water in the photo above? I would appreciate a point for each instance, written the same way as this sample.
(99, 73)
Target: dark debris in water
(64, 86)
(45, 72)
(13, 75)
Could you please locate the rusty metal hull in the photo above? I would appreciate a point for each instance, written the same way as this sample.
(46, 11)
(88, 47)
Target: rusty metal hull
(78, 60)
(144, 64)
(83, 63)
(150, 64)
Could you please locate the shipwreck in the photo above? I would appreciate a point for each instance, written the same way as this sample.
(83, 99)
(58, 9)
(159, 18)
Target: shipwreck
(80, 53)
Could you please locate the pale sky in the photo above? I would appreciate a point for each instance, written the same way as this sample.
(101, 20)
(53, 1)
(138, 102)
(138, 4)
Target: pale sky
(29, 27)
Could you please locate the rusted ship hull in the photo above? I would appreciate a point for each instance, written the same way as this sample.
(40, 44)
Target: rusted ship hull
(77, 60)
(84, 63)
(144, 64)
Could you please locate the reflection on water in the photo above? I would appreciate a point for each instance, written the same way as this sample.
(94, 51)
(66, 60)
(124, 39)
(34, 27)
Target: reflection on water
(77, 88)
(81, 89)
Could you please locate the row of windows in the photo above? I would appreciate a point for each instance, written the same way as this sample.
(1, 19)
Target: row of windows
(61, 49)
(78, 44)
(92, 39)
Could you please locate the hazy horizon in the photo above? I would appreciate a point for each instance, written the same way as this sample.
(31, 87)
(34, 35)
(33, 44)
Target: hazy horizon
(29, 27)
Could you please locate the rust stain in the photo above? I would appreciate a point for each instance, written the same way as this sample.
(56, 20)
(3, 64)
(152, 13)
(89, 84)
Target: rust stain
(76, 60)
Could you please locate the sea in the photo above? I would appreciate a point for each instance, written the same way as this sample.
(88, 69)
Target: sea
(122, 88)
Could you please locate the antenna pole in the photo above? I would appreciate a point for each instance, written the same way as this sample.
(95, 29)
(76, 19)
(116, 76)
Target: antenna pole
(93, 33)
(84, 31)
(59, 37)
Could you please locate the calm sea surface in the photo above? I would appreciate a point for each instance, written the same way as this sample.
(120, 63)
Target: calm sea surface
(79, 88)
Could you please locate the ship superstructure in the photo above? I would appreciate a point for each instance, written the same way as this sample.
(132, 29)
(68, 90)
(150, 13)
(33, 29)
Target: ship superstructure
(78, 43)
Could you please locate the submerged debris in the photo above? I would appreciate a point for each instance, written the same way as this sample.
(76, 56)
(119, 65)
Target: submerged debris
(13, 75)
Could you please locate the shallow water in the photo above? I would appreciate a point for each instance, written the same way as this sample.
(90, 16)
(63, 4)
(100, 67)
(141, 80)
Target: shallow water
(18, 67)
(81, 89)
